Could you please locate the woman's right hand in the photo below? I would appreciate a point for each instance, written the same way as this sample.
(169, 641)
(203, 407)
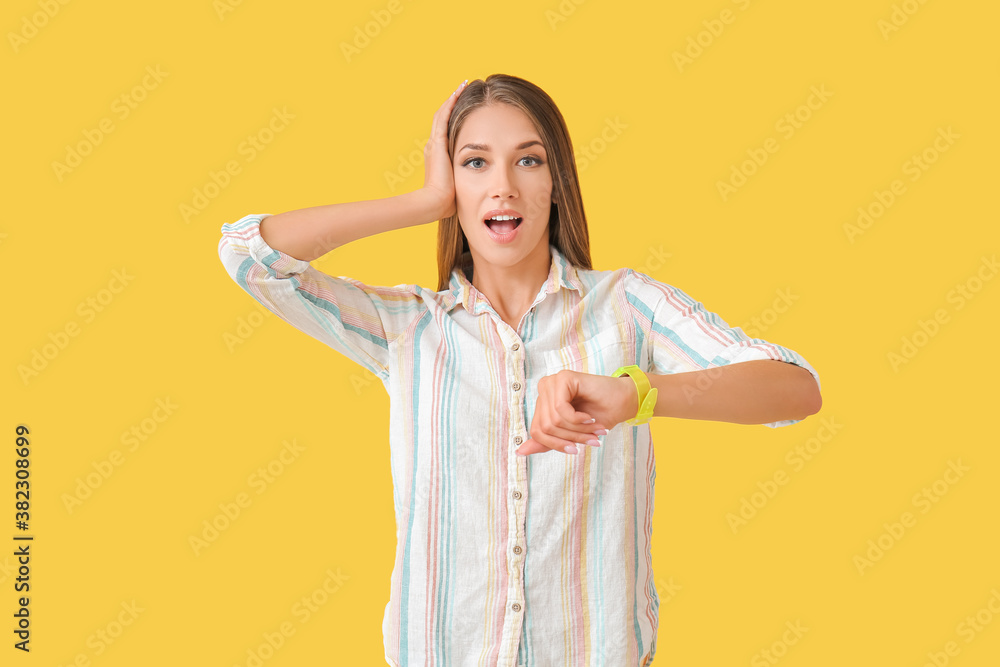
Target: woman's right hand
(439, 176)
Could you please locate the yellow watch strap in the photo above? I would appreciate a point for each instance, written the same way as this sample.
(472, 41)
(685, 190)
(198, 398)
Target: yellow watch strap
(647, 395)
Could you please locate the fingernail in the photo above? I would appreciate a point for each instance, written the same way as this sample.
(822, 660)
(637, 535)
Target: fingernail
(518, 452)
(590, 421)
(570, 449)
(594, 443)
(602, 431)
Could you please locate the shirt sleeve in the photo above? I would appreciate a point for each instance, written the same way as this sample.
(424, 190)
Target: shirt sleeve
(353, 318)
(683, 336)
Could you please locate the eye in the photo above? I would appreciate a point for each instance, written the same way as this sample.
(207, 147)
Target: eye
(534, 159)
(470, 160)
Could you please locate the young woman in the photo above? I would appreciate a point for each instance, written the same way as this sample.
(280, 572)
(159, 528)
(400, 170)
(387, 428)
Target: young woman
(504, 558)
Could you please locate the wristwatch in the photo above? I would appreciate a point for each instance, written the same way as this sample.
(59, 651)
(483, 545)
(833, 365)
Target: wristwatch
(647, 394)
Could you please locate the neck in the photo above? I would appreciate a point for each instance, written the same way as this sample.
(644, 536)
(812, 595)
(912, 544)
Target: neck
(511, 290)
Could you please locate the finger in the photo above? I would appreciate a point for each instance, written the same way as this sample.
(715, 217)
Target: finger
(545, 433)
(543, 430)
(439, 123)
(568, 416)
(552, 415)
(445, 109)
(576, 425)
(535, 446)
(581, 422)
(560, 439)
(530, 446)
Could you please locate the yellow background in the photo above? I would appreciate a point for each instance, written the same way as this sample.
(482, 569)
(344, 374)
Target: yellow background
(653, 189)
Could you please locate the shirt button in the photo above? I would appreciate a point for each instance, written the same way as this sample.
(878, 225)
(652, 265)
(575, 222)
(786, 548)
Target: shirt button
(517, 550)
(516, 607)
(517, 440)
(515, 347)
(517, 386)
(517, 495)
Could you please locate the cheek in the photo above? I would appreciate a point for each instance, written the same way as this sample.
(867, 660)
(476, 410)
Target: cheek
(541, 196)
(464, 196)
(461, 186)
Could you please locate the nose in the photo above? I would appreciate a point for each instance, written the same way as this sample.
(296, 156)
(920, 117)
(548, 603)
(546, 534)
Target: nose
(503, 185)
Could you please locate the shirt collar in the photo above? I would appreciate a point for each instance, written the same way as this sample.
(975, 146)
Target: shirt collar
(562, 274)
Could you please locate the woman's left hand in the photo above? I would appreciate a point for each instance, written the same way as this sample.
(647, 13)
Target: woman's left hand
(567, 400)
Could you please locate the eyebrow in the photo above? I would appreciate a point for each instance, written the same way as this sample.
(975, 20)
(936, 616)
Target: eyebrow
(485, 147)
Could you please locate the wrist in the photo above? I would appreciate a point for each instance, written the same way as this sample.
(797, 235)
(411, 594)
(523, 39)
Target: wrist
(437, 205)
(628, 399)
(645, 394)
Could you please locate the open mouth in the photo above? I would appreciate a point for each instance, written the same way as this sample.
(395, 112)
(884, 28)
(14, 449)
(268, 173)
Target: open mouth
(503, 224)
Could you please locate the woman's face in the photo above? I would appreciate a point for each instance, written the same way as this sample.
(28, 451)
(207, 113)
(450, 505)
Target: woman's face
(501, 166)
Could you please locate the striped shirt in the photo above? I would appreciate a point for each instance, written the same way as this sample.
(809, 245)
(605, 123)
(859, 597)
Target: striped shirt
(504, 560)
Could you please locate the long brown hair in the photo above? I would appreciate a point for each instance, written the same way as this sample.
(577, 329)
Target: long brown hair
(567, 220)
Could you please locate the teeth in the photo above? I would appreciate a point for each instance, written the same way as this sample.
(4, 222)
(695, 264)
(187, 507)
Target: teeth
(503, 217)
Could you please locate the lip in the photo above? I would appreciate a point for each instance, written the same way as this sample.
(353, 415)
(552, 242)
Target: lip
(509, 236)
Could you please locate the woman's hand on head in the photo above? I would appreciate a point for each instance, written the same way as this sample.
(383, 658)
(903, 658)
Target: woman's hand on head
(568, 400)
(439, 176)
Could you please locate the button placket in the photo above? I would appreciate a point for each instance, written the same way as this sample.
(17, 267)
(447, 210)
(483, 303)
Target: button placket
(515, 367)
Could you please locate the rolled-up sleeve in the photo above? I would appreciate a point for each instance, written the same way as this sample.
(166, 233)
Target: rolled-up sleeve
(684, 337)
(353, 318)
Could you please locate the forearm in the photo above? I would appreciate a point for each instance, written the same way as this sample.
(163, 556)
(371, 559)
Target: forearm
(751, 392)
(310, 233)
